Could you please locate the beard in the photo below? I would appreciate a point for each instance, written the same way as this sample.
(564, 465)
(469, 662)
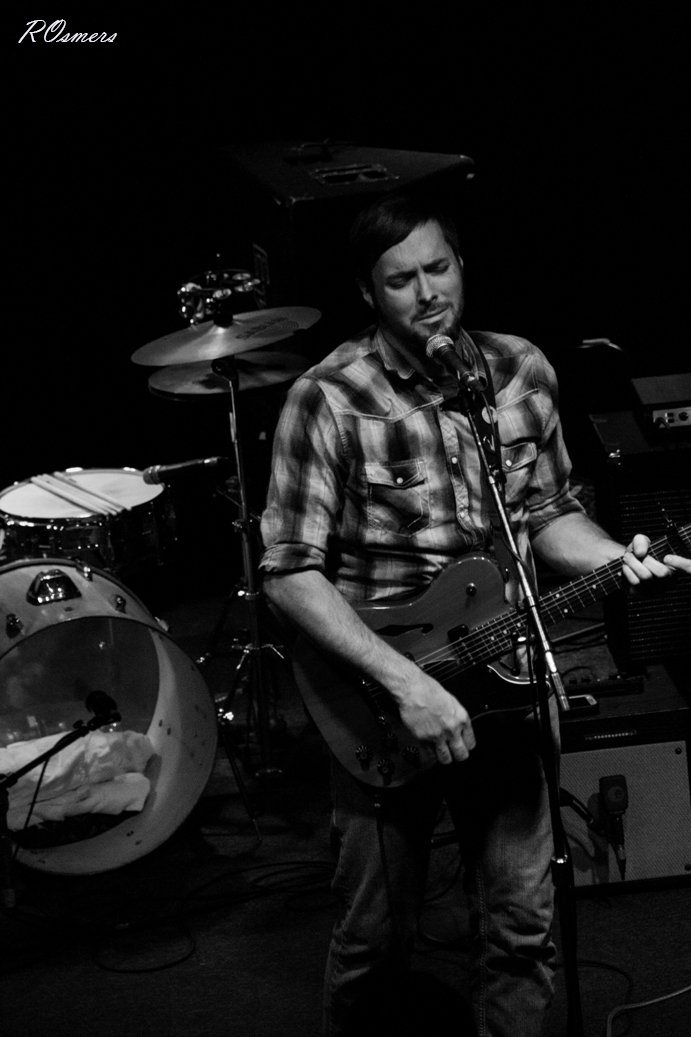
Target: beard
(415, 338)
(450, 325)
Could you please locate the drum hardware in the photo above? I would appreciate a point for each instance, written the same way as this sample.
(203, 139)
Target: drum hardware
(210, 295)
(199, 362)
(54, 585)
(252, 670)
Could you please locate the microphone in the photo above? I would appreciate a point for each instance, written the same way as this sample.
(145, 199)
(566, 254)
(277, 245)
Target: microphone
(163, 473)
(99, 703)
(567, 799)
(441, 349)
(614, 798)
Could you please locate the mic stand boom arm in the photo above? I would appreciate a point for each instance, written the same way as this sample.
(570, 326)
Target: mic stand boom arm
(547, 677)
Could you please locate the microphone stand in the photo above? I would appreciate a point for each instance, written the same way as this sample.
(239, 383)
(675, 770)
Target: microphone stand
(106, 714)
(547, 677)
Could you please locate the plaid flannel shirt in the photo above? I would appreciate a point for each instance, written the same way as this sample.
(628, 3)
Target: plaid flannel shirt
(375, 477)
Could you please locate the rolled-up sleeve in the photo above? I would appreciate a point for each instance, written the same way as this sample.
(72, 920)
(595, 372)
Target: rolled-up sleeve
(305, 489)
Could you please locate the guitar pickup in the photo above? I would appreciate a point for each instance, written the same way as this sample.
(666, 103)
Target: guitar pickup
(458, 633)
(456, 636)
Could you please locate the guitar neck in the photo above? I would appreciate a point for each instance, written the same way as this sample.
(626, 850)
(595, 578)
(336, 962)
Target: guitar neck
(598, 584)
(497, 637)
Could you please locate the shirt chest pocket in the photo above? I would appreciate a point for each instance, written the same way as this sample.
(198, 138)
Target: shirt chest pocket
(518, 462)
(397, 497)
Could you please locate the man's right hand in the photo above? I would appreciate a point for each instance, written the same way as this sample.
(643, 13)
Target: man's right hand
(436, 717)
(430, 712)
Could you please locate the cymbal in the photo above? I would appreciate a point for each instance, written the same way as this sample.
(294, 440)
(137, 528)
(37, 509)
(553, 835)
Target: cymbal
(256, 370)
(208, 341)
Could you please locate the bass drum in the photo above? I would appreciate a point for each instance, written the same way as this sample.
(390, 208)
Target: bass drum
(66, 630)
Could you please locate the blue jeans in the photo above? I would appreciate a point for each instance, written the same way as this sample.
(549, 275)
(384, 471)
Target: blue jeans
(499, 805)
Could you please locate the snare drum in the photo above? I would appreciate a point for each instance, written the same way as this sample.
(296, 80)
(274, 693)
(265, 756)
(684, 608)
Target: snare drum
(38, 524)
(68, 630)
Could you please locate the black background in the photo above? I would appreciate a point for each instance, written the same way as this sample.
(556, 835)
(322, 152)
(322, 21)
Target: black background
(576, 123)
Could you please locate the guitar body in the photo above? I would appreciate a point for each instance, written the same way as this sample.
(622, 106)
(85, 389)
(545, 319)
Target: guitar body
(362, 725)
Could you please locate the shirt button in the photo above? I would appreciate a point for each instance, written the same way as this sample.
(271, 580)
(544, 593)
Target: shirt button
(454, 460)
(508, 463)
(399, 480)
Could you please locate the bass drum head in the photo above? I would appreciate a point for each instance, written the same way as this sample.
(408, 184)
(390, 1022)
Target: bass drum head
(67, 630)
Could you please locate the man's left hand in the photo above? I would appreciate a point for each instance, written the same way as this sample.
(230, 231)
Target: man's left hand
(639, 566)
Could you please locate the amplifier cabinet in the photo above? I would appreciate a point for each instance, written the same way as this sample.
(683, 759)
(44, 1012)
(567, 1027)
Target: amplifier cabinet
(637, 484)
(644, 738)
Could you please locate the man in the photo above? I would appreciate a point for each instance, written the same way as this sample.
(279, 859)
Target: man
(376, 487)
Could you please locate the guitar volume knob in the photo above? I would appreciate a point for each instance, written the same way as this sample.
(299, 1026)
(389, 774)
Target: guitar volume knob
(363, 753)
(385, 766)
(411, 753)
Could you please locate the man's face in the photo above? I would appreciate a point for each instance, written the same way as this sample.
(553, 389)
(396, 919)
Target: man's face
(417, 288)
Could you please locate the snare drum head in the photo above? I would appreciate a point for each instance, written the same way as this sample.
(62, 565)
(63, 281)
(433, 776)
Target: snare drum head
(125, 485)
(96, 635)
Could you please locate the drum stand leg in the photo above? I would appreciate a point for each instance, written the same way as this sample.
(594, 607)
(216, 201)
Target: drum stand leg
(224, 719)
(238, 591)
(254, 672)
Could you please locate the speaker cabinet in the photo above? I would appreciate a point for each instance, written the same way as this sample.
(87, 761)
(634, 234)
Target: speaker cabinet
(289, 205)
(645, 738)
(638, 483)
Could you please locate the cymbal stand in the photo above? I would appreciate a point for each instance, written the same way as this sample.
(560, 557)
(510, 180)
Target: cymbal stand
(253, 659)
(229, 493)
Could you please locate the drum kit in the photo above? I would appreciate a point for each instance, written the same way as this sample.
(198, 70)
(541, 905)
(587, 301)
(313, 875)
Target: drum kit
(69, 624)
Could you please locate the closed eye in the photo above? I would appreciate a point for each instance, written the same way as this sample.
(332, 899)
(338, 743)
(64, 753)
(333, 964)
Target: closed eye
(400, 281)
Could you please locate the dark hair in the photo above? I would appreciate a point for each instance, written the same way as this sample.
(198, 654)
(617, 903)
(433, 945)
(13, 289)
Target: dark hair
(388, 221)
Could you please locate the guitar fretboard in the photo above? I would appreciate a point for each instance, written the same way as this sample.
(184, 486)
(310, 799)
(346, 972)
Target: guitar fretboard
(497, 636)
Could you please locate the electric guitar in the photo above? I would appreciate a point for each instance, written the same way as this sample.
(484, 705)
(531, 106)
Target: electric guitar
(458, 624)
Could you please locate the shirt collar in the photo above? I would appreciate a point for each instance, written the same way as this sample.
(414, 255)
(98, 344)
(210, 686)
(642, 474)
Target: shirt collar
(394, 360)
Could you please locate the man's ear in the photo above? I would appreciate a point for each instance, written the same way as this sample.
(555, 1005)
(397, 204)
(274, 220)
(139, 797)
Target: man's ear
(366, 292)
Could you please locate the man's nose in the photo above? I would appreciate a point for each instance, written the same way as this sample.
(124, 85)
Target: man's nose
(425, 289)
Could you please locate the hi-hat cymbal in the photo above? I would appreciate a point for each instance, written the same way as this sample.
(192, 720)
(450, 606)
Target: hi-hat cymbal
(256, 370)
(209, 341)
